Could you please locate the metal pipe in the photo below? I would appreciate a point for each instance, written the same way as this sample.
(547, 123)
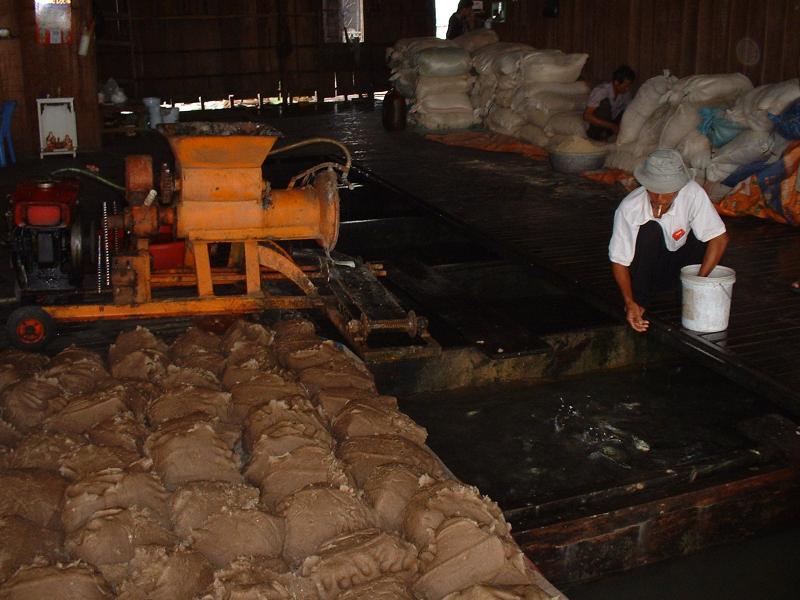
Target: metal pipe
(319, 140)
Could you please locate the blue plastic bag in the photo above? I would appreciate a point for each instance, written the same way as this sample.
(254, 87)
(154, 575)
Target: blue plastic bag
(716, 127)
(788, 122)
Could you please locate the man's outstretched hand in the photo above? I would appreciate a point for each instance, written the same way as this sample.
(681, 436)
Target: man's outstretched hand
(635, 317)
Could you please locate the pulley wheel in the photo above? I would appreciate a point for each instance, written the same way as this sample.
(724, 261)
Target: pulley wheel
(30, 328)
(82, 248)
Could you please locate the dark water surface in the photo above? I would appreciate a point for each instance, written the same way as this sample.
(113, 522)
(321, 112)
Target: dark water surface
(530, 444)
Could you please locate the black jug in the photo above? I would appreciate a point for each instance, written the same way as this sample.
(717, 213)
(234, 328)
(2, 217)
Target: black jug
(394, 111)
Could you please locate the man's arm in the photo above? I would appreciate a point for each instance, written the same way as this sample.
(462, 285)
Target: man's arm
(633, 312)
(590, 117)
(714, 251)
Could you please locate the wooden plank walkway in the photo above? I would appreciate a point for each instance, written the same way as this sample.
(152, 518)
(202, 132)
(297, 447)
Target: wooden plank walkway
(561, 225)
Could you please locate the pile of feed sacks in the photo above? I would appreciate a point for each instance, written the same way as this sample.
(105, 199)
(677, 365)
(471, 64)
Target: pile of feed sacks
(260, 463)
(758, 140)
(537, 96)
(441, 95)
(400, 60)
(434, 76)
(668, 112)
(497, 68)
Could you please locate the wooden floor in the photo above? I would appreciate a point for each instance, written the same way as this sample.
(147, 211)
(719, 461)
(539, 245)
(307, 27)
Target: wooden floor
(561, 224)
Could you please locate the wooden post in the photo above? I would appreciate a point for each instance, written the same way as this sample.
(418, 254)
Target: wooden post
(252, 268)
(202, 265)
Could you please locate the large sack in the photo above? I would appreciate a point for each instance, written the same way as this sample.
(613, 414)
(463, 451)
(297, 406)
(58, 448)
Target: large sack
(695, 150)
(405, 82)
(433, 86)
(544, 93)
(701, 89)
(404, 49)
(684, 120)
(625, 157)
(566, 123)
(446, 102)
(748, 147)
(444, 120)
(482, 97)
(552, 66)
(556, 102)
(503, 120)
(508, 82)
(442, 62)
(752, 108)
(501, 58)
(651, 131)
(473, 40)
(541, 108)
(644, 104)
(533, 134)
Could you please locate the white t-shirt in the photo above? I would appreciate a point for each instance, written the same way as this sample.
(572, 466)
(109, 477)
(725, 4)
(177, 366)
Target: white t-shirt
(691, 210)
(606, 90)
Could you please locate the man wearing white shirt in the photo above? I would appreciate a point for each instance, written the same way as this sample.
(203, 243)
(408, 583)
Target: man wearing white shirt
(664, 225)
(606, 104)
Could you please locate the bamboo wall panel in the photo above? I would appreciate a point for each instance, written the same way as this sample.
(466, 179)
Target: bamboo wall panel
(760, 39)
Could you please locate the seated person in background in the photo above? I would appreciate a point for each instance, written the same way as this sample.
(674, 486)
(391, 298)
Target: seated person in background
(461, 21)
(606, 104)
(664, 225)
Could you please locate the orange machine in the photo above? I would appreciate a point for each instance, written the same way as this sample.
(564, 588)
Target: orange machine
(217, 195)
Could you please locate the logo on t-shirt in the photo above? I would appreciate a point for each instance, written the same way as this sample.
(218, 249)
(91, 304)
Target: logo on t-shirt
(678, 234)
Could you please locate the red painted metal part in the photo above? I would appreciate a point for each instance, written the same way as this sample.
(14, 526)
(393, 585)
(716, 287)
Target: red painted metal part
(45, 203)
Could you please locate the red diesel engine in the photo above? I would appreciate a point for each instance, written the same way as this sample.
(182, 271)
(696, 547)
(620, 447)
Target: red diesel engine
(50, 247)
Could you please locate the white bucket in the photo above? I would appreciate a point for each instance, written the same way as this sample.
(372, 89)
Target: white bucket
(707, 300)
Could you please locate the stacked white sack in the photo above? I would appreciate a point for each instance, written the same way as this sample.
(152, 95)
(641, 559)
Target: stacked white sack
(665, 114)
(546, 99)
(497, 66)
(758, 142)
(400, 58)
(473, 41)
(751, 109)
(441, 96)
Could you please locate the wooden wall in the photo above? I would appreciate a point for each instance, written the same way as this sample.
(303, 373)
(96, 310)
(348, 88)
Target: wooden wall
(31, 70)
(213, 48)
(760, 38)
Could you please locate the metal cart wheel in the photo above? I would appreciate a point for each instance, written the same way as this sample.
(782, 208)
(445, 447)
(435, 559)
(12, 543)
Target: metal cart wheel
(30, 328)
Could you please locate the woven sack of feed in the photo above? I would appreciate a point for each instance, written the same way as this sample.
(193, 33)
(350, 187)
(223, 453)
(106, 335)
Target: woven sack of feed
(433, 86)
(476, 39)
(751, 109)
(644, 103)
(566, 123)
(442, 62)
(551, 66)
(702, 89)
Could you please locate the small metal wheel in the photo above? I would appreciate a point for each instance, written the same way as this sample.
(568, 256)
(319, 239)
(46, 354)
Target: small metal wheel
(30, 328)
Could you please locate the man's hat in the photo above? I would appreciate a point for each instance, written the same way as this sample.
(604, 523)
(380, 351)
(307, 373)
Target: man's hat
(663, 172)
